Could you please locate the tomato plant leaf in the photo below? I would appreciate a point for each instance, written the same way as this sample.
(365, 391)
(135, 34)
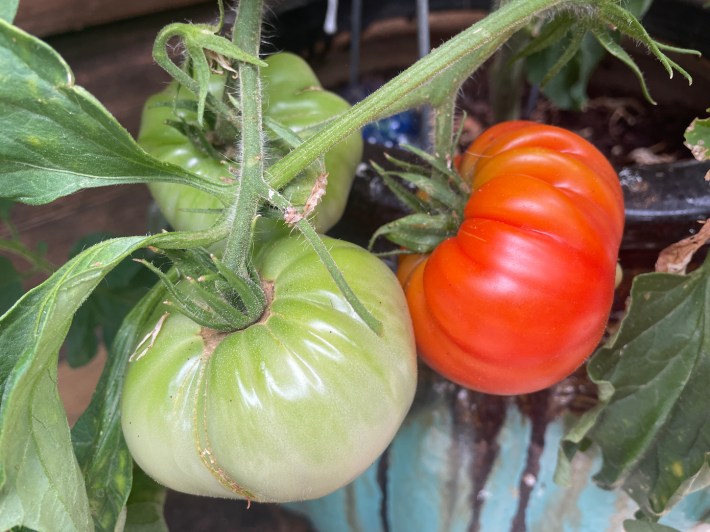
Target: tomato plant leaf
(41, 484)
(10, 285)
(697, 138)
(8, 9)
(565, 73)
(568, 88)
(98, 440)
(652, 424)
(145, 505)
(56, 137)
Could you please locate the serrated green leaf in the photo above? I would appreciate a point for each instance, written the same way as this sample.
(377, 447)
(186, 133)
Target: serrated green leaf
(697, 138)
(56, 138)
(10, 285)
(145, 505)
(652, 424)
(97, 438)
(8, 9)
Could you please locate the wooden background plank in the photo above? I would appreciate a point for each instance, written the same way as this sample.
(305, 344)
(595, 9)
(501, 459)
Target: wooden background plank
(50, 17)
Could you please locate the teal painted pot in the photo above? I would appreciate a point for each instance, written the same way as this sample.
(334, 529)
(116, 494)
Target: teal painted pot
(465, 461)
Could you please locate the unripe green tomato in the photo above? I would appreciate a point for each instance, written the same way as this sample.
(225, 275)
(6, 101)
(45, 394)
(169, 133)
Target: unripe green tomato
(290, 408)
(292, 96)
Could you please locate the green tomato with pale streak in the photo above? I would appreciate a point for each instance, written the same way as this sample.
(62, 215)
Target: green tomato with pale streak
(290, 408)
(293, 97)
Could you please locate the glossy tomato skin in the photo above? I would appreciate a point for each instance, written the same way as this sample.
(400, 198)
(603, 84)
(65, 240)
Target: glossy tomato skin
(520, 297)
(293, 97)
(290, 408)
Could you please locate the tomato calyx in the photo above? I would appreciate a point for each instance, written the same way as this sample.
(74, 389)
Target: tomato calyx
(209, 139)
(435, 193)
(209, 293)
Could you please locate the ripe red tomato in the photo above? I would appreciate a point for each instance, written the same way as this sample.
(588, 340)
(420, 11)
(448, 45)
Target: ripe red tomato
(520, 296)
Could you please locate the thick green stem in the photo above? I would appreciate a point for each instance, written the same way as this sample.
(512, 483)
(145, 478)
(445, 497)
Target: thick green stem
(443, 115)
(495, 28)
(188, 239)
(309, 233)
(242, 211)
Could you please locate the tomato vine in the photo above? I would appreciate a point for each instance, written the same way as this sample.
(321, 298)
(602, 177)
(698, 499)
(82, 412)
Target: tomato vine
(83, 475)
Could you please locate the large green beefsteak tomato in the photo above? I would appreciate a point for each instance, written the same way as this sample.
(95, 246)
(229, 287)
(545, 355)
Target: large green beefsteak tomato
(293, 97)
(290, 408)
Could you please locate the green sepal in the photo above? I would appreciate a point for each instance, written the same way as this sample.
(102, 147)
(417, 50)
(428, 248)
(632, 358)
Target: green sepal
(418, 233)
(197, 137)
(209, 293)
(251, 295)
(403, 194)
(190, 302)
(564, 69)
(629, 25)
(438, 203)
(441, 170)
(439, 194)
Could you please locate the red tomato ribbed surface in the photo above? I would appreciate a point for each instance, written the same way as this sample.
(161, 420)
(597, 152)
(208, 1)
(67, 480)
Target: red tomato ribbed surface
(519, 298)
